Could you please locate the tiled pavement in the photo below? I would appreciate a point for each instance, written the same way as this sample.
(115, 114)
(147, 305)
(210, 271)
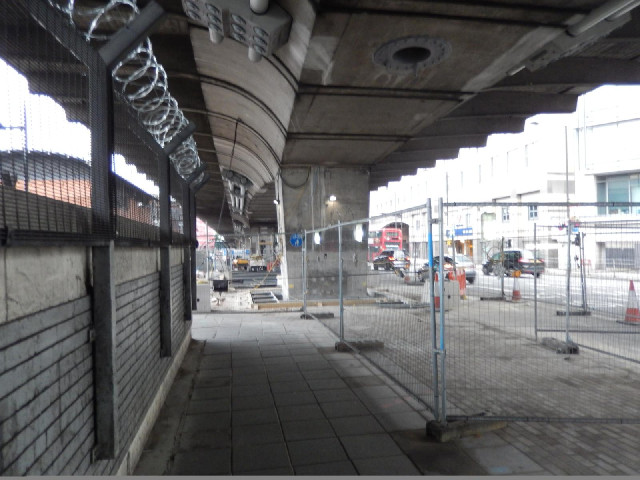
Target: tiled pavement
(267, 394)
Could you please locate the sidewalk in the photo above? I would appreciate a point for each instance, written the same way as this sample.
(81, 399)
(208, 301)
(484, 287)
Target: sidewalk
(268, 394)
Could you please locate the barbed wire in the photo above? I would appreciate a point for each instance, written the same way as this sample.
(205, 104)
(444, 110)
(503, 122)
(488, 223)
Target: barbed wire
(139, 78)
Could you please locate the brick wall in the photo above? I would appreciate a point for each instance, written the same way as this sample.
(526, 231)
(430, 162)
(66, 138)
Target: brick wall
(46, 391)
(178, 325)
(46, 379)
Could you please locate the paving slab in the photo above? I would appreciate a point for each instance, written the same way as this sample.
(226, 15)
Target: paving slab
(284, 402)
(214, 405)
(255, 416)
(257, 434)
(321, 450)
(358, 425)
(505, 460)
(396, 465)
(248, 458)
(204, 439)
(300, 412)
(370, 445)
(345, 408)
(252, 402)
(294, 398)
(207, 421)
(307, 429)
(334, 468)
(202, 462)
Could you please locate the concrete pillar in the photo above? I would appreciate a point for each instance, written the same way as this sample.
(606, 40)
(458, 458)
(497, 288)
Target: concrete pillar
(305, 205)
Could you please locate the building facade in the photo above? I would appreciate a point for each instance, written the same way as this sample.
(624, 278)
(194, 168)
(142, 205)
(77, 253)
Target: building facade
(586, 157)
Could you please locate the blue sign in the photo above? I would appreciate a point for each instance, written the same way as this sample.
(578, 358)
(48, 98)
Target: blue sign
(295, 240)
(461, 231)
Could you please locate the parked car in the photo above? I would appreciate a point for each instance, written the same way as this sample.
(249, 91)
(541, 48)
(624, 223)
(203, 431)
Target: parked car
(391, 260)
(509, 261)
(462, 261)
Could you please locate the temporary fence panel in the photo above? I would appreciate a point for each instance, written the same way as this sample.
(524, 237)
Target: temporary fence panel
(533, 316)
(323, 283)
(381, 308)
(538, 336)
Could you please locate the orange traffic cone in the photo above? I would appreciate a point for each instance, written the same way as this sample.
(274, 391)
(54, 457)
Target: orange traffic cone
(515, 295)
(462, 283)
(633, 311)
(436, 292)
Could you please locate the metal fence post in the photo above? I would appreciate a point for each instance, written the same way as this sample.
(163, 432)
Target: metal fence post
(432, 314)
(568, 312)
(535, 281)
(340, 290)
(442, 351)
(304, 275)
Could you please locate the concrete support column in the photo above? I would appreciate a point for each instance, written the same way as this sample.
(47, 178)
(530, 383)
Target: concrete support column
(305, 205)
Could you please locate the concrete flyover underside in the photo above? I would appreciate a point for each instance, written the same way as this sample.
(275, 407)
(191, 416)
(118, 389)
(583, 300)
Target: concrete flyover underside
(386, 87)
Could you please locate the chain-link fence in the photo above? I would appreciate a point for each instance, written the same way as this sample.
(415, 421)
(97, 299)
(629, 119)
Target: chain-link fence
(532, 314)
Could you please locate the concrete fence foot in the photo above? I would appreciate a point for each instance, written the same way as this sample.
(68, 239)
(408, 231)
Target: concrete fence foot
(446, 432)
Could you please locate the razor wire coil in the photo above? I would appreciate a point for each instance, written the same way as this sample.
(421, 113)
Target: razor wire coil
(140, 78)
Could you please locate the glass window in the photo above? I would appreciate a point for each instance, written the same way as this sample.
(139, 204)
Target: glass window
(505, 214)
(618, 191)
(533, 212)
(634, 189)
(601, 187)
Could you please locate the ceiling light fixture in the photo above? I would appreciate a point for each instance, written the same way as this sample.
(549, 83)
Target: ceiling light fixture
(261, 26)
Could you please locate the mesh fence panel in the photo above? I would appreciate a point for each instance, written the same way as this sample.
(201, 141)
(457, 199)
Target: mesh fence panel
(45, 144)
(539, 320)
(136, 169)
(50, 186)
(385, 315)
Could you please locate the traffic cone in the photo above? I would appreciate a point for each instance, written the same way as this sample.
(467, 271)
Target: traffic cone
(462, 282)
(515, 295)
(633, 311)
(436, 292)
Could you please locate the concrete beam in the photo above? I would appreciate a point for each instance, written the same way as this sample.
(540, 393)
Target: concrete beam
(578, 71)
(425, 157)
(485, 125)
(444, 141)
(515, 103)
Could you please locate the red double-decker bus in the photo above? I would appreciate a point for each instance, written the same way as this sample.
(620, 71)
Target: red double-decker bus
(384, 239)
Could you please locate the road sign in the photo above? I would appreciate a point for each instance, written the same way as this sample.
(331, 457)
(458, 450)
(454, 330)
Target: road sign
(295, 240)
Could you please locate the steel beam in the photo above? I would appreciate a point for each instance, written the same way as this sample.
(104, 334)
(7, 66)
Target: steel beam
(131, 35)
(179, 138)
(106, 389)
